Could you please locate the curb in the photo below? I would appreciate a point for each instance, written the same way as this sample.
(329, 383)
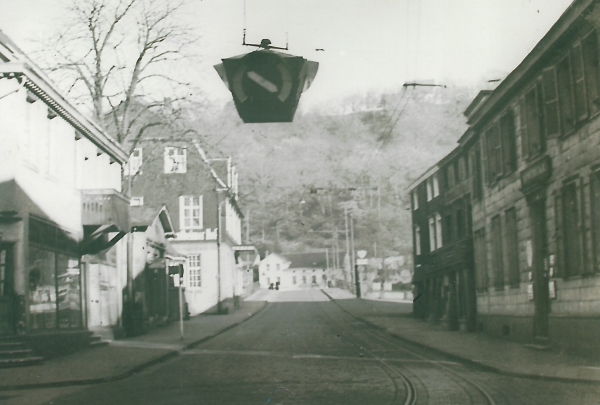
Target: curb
(474, 363)
(133, 370)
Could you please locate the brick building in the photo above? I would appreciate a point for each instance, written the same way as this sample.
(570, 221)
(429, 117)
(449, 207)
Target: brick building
(201, 197)
(532, 158)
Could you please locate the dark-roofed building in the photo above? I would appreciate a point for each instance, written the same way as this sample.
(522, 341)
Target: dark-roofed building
(202, 198)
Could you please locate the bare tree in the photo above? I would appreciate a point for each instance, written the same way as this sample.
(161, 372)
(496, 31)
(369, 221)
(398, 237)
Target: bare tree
(120, 58)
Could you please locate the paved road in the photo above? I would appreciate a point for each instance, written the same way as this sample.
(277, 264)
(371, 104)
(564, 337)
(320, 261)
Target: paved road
(304, 349)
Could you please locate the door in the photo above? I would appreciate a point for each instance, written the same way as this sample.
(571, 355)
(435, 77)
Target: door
(7, 324)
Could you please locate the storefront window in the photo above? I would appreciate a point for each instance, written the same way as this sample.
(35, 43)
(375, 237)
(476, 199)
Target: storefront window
(42, 289)
(54, 290)
(69, 305)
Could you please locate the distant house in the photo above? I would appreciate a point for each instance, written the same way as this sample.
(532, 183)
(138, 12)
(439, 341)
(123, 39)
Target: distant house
(298, 271)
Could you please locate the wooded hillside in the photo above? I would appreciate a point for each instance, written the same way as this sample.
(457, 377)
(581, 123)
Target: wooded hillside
(296, 179)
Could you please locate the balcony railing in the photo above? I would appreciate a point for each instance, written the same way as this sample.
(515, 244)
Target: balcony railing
(105, 207)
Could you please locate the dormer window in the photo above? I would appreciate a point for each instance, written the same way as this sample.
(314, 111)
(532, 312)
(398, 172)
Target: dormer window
(175, 160)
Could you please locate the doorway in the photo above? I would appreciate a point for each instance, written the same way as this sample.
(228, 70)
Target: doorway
(7, 295)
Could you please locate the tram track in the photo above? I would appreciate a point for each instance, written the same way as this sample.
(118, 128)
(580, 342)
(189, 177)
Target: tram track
(424, 378)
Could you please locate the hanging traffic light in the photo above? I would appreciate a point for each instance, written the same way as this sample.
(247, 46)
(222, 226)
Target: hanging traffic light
(266, 85)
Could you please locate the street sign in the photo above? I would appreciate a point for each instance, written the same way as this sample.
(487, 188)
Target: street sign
(266, 85)
(362, 262)
(361, 254)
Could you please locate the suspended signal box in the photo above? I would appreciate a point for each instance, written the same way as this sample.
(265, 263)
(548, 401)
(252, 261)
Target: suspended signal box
(266, 85)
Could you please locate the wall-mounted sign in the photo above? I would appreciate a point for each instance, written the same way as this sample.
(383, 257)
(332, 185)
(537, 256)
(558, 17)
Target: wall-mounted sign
(536, 172)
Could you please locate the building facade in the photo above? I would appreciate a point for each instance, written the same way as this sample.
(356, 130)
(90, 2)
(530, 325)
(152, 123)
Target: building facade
(533, 153)
(201, 196)
(60, 198)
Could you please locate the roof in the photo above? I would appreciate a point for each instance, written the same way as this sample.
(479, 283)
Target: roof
(143, 216)
(33, 78)
(535, 59)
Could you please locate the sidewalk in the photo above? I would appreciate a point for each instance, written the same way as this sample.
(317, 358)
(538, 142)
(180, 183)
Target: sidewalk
(122, 358)
(493, 354)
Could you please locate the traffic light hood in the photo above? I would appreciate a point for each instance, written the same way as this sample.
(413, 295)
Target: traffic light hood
(266, 85)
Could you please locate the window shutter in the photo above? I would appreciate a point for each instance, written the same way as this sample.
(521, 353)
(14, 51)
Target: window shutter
(595, 193)
(551, 112)
(497, 262)
(559, 231)
(533, 122)
(565, 94)
(507, 131)
(590, 61)
(579, 83)
(524, 136)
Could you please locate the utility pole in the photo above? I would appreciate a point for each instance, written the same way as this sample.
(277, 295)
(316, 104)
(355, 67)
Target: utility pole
(353, 264)
(348, 244)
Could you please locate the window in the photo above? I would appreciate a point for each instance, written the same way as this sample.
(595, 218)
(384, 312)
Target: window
(303, 279)
(432, 237)
(190, 213)
(565, 94)
(494, 153)
(590, 61)
(480, 258)
(54, 290)
(136, 201)
(417, 240)
(134, 164)
(194, 271)
(508, 140)
(551, 113)
(450, 177)
(448, 229)
(294, 280)
(268, 267)
(175, 160)
(497, 262)
(572, 237)
(415, 198)
(462, 171)
(477, 174)
(460, 223)
(436, 185)
(512, 247)
(576, 78)
(438, 230)
(277, 266)
(596, 217)
(314, 279)
(429, 189)
(533, 140)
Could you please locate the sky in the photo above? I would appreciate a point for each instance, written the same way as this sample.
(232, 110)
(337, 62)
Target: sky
(369, 46)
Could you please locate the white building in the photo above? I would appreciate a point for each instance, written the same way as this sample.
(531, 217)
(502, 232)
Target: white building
(60, 196)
